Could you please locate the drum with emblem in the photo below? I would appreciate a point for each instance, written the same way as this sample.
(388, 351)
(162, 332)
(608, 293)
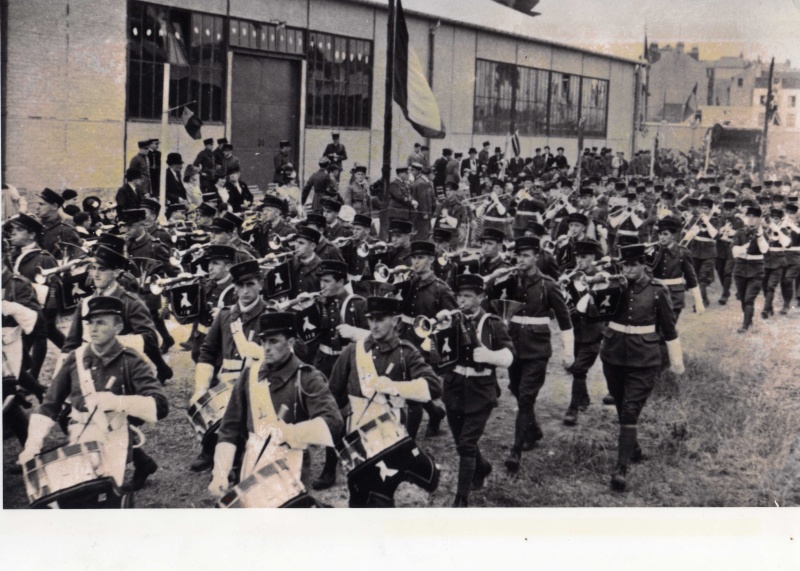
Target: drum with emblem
(72, 476)
(370, 440)
(186, 301)
(278, 281)
(309, 323)
(271, 486)
(607, 300)
(74, 287)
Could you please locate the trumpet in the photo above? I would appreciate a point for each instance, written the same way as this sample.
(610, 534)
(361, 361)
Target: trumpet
(342, 241)
(501, 273)
(301, 298)
(160, 284)
(277, 242)
(178, 255)
(365, 248)
(274, 259)
(425, 326)
(464, 253)
(383, 272)
(42, 275)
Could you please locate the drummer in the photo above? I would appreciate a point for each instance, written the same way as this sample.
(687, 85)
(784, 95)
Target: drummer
(220, 359)
(306, 412)
(386, 368)
(121, 381)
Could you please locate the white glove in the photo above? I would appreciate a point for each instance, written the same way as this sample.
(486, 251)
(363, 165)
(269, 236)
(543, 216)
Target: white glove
(38, 428)
(140, 406)
(203, 374)
(350, 332)
(25, 317)
(739, 251)
(500, 358)
(698, 300)
(583, 303)
(300, 435)
(675, 352)
(602, 231)
(223, 462)
(416, 390)
(104, 401)
(383, 385)
(568, 340)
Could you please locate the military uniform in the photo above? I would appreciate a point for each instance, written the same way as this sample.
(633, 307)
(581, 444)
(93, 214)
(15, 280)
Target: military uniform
(216, 295)
(397, 257)
(298, 387)
(305, 278)
(792, 273)
(774, 268)
(337, 230)
(530, 330)
(470, 393)
(219, 349)
(341, 309)
(55, 232)
(265, 231)
(327, 251)
(704, 251)
(19, 290)
(725, 260)
(674, 269)
(400, 206)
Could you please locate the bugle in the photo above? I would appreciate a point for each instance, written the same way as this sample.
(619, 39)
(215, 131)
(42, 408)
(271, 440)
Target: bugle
(42, 275)
(178, 255)
(365, 248)
(383, 272)
(160, 284)
(501, 273)
(274, 259)
(425, 326)
(277, 242)
(301, 298)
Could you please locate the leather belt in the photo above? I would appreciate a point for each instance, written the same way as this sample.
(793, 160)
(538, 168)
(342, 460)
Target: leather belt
(628, 233)
(496, 219)
(793, 249)
(668, 282)
(632, 329)
(329, 350)
(471, 372)
(524, 320)
(526, 213)
(777, 249)
(232, 364)
(703, 239)
(753, 258)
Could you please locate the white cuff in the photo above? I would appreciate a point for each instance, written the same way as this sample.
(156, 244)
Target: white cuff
(698, 300)
(140, 406)
(675, 352)
(203, 374)
(416, 390)
(38, 428)
(314, 431)
(502, 358)
(568, 341)
(223, 461)
(26, 317)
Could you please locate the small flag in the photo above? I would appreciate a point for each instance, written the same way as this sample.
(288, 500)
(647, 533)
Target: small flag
(515, 143)
(524, 6)
(411, 90)
(191, 123)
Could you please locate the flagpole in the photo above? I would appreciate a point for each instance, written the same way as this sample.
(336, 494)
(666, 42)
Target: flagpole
(386, 170)
(164, 131)
(762, 159)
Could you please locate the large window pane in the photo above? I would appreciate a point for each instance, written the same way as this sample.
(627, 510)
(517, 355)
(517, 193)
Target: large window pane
(594, 100)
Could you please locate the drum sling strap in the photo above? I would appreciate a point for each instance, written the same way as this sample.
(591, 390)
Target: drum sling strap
(367, 409)
(109, 430)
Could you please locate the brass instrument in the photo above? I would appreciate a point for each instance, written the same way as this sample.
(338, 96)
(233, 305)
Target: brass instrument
(301, 298)
(424, 326)
(277, 242)
(178, 255)
(272, 260)
(342, 241)
(365, 249)
(383, 272)
(501, 273)
(42, 275)
(465, 254)
(160, 284)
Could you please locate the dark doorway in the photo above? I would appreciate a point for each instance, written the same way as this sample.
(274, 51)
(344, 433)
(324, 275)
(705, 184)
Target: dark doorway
(265, 109)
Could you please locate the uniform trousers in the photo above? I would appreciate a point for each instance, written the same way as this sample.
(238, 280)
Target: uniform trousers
(772, 279)
(724, 268)
(630, 387)
(748, 289)
(35, 345)
(526, 378)
(788, 284)
(585, 356)
(705, 274)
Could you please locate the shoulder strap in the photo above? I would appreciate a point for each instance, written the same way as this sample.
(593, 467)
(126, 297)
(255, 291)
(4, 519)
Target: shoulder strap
(481, 323)
(221, 300)
(347, 300)
(84, 376)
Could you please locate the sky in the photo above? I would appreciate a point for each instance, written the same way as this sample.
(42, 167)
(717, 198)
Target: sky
(718, 27)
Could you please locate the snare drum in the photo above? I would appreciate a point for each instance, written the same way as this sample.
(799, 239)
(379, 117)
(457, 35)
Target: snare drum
(370, 439)
(272, 486)
(72, 476)
(206, 413)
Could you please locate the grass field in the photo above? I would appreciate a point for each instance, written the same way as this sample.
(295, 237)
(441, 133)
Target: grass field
(723, 434)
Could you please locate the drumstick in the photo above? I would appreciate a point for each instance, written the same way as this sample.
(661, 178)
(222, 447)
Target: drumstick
(85, 426)
(369, 402)
(281, 414)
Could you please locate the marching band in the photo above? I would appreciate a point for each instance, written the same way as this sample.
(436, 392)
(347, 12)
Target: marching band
(312, 326)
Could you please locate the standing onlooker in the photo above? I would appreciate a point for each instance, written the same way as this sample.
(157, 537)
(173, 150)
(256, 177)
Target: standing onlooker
(154, 158)
(175, 191)
(141, 163)
(422, 191)
(335, 152)
(280, 160)
(205, 162)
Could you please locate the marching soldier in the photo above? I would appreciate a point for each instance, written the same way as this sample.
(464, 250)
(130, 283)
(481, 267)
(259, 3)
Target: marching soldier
(358, 267)
(218, 291)
(530, 330)
(140, 244)
(491, 258)
(471, 388)
(305, 263)
(152, 208)
(444, 253)
(225, 233)
(401, 203)
(630, 352)
(425, 295)
(673, 267)
(399, 253)
(342, 320)
(334, 227)
(287, 399)
(792, 274)
(774, 260)
(324, 249)
(729, 224)
(119, 382)
(388, 371)
(274, 210)
(588, 332)
(451, 213)
(138, 331)
(220, 359)
(702, 246)
(54, 229)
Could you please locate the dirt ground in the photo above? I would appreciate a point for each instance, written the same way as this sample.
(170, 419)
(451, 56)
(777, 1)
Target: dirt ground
(570, 468)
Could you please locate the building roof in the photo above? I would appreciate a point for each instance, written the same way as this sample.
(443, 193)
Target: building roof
(788, 80)
(730, 62)
(488, 16)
